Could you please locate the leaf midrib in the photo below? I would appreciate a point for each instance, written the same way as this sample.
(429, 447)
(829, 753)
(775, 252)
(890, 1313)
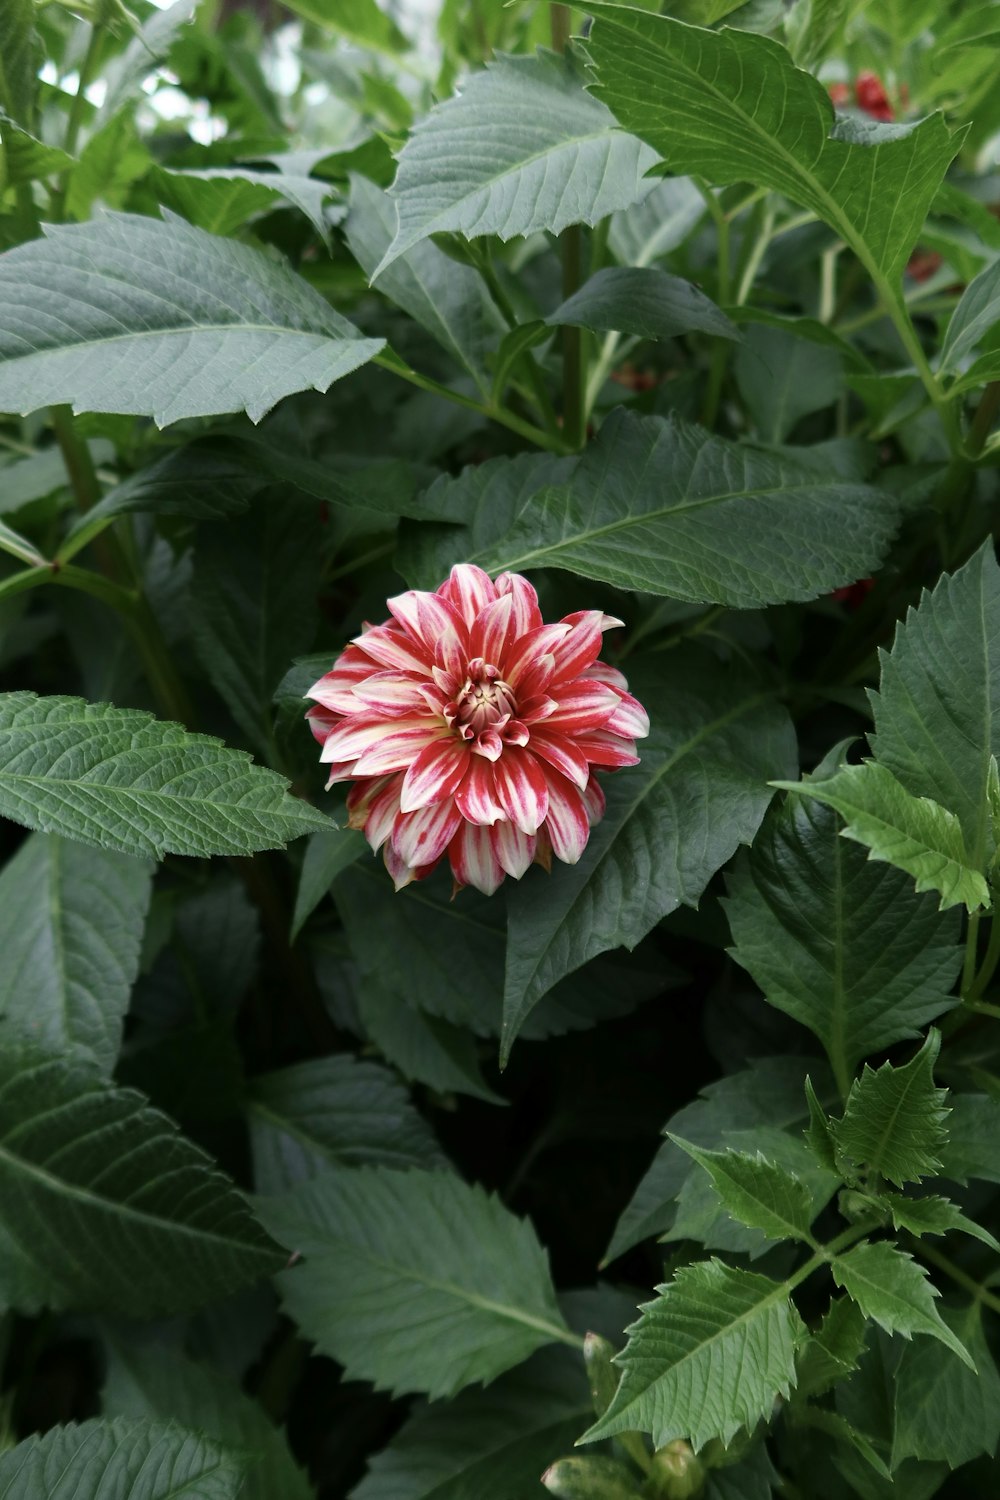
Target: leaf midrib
(185, 329)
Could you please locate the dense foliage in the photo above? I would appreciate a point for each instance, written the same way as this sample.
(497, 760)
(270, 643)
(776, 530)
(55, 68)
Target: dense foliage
(690, 313)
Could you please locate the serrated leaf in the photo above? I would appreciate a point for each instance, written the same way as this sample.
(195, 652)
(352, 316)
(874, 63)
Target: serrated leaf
(894, 1121)
(731, 106)
(523, 148)
(333, 1111)
(222, 199)
(71, 926)
(821, 1419)
(819, 1132)
(658, 504)
(942, 1409)
(757, 1192)
(105, 1204)
(162, 320)
(146, 1379)
(937, 711)
(645, 301)
(112, 159)
(934, 1216)
(913, 833)
(446, 298)
(840, 943)
(894, 1291)
(327, 856)
(119, 1460)
(414, 1280)
(119, 779)
(670, 823)
(706, 1358)
(832, 1352)
(25, 158)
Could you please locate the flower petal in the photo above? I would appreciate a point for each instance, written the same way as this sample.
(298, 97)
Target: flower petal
(595, 801)
(522, 789)
(389, 693)
(515, 850)
(335, 688)
(469, 589)
(425, 617)
(629, 719)
(402, 873)
(476, 796)
(474, 859)
(391, 647)
(435, 773)
(493, 631)
(582, 705)
(563, 753)
(488, 744)
(604, 749)
(398, 747)
(383, 810)
(352, 737)
(567, 824)
(580, 648)
(321, 721)
(527, 615)
(421, 838)
(527, 654)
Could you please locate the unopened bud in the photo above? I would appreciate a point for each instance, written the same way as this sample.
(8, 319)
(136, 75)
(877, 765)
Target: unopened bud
(603, 1377)
(677, 1473)
(591, 1479)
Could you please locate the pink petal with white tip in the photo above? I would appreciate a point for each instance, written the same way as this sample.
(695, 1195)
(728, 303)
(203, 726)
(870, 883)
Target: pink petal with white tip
(515, 850)
(527, 615)
(335, 689)
(603, 749)
(528, 655)
(567, 824)
(474, 859)
(601, 672)
(583, 705)
(398, 748)
(629, 719)
(389, 693)
(383, 812)
(492, 631)
(321, 721)
(402, 873)
(469, 589)
(420, 838)
(435, 774)
(391, 647)
(522, 789)
(352, 737)
(580, 648)
(563, 753)
(426, 617)
(476, 797)
(489, 745)
(594, 801)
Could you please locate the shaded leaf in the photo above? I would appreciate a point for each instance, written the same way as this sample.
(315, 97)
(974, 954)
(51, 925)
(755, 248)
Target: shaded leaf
(894, 1121)
(644, 301)
(327, 856)
(783, 378)
(944, 1409)
(832, 1352)
(25, 158)
(414, 1280)
(423, 1047)
(120, 779)
(162, 320)
(119, 1460)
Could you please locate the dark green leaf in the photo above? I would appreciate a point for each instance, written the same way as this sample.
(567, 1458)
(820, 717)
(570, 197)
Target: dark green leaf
(757, 1192)
(644, 301)
(894, 1121)
(162, 320)
(105, 1205)
(894, 1291)
(119, 1460)
(421, 1046)
(120, 779)
(943, 1409)
(783, 378)
(17, 59)
(973, 1145)
(327, 856)
(934, 1216)
(833, 1350)
(414, 1280)
(71, 925)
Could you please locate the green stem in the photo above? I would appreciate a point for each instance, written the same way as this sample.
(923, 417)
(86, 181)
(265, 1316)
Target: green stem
(988, 969)
(982, 422)
(88, 70)
(959, 1277)
(526, 359)
(720, 354)
(574, 381)
(758, 250)
(76, 457)
(971, 942)
(396, 366)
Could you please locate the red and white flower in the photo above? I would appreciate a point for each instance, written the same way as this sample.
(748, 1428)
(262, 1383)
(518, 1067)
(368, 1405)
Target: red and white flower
(471, 728)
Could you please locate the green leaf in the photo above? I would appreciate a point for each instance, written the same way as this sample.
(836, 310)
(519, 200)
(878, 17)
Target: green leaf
(222, 199)
(974, 321)
(819, 1134)
(17, 59)
(894, 1291)
(147, 1379)
(894, 1121)
(843, 945)
(832, 1352)
(414, 1280)
(119, 1460)
(731, 106)
(942, 1408)
(333, 1111)
(119, 779)
(670, 823)
(934, 1216)
(757, 1192)
(660, 505)
(71, 926)
(162, 320)
(151, 42)
(105, 1205)
(448, 299)
(706, 1358)
(360, 21)
(327, 856)
(937, 711)
(644, 301)
(782, 378)
(813, 28)
(423, 1047)
(253, 606)
(523, 148)
(113, 158)
(25, 158)
(657, 224)
(973, 1145)
(913, 833)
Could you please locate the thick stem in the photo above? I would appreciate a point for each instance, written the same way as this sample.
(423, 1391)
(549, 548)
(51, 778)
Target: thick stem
(76, 457)
(574, 417)
(88, 71)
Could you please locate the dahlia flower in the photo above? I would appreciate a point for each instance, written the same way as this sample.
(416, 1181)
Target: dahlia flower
(471, 728)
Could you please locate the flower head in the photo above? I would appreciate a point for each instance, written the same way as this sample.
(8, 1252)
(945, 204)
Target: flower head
(471, 728)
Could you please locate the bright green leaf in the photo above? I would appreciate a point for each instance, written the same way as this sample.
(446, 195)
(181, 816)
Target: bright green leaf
(934, 1216)
(25, 158)
(119, 1460)
(894, 1291)
(119, 779)
(757, 1192)
(162, 320)
(414, 1280)
(222, 199)
(363, 22)
(894, 1122)
(18, 64)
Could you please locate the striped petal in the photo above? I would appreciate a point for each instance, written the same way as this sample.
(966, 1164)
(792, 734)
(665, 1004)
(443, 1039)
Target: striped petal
(493, 631)
(425, 617)
(474, 859)
(335, 689)
(383, 811)
(580, 648)
(629, 719)
(390, 693)
(522, 789)
(352, 737)
(435, 774)
(594, 801)
(567, 824)
(321, 721)
(583, 705)
(451, 654)
(469, 589)
(488, 744)
(402, 873)
(602, 672)
(528, 655)
(527, 615)
(420, 838)
(361, 796)
(476, 796)
(515, 850)
(563, 753)
(391, 647)
(604, 749)
(397, 748)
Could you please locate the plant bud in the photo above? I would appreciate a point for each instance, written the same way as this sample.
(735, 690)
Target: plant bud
(591, 1479)
(603, 1377)
(677, 1472)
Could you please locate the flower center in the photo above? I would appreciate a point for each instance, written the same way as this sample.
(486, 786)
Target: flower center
(484, 701)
